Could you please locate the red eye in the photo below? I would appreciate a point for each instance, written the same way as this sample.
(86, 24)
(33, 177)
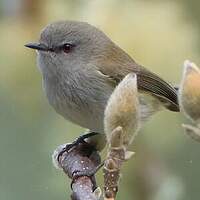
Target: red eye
(67, 47)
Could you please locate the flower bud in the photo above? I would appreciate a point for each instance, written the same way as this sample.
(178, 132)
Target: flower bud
(189, 93)
(122, 110)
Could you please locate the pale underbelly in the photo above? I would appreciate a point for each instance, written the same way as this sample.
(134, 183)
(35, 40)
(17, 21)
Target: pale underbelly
(89, 118)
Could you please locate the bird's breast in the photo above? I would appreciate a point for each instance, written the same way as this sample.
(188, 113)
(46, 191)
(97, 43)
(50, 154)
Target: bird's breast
(79, 99)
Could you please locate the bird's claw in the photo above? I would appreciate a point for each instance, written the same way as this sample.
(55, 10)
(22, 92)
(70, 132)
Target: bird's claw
(79, 140)
(76, 142)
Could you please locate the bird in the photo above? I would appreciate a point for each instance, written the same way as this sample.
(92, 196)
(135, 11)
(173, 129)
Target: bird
(81, 66)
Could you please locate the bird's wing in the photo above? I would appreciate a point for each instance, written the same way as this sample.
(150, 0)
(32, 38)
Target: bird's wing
(148, 82)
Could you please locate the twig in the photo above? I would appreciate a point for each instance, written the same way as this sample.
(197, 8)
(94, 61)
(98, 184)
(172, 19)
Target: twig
(117, 154)
(81, 159)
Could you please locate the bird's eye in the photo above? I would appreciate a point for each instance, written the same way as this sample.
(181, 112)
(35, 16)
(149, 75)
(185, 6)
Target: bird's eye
(67, 47)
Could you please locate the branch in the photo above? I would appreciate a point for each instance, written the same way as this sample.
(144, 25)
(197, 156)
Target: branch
(112, 167)
(81, 158)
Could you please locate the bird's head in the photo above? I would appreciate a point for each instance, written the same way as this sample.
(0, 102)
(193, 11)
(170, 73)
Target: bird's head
(69, 45)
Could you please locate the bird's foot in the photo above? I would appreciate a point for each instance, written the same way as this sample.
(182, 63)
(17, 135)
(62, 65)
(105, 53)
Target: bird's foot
(79, 140)
(79, 158)
(76, 142)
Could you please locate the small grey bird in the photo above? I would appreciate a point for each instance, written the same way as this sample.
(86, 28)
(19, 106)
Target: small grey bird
(81, 67)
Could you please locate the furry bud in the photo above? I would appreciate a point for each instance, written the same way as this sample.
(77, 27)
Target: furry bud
(189, 93)
(123, 109)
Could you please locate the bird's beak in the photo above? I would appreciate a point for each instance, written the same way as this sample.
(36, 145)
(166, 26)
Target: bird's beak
(37, 46)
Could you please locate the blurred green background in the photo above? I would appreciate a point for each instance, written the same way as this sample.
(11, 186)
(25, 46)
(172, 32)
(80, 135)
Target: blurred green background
(160, 34)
